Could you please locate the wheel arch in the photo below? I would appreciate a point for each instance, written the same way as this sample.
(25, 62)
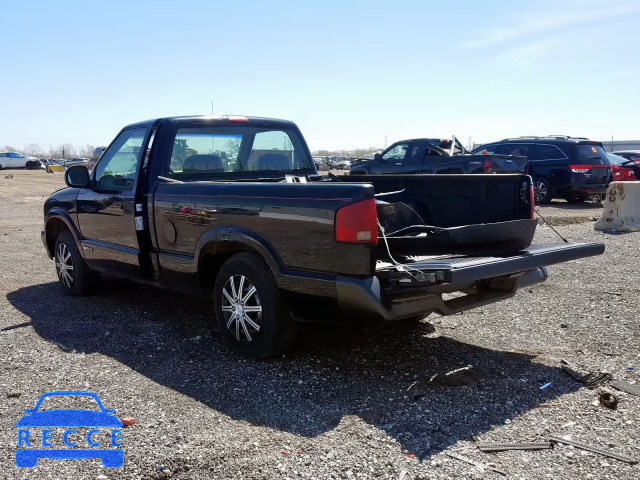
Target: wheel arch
(220, 243)
(55, 223)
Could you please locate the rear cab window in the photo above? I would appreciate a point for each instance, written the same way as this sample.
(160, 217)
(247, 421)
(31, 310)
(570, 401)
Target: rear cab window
(208, 151)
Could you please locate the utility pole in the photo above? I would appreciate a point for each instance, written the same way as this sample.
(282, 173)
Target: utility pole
(386, 137)
(470, 144)
(212, 108)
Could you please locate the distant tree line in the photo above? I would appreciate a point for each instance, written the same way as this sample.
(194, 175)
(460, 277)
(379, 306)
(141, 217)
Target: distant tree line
(65, 150)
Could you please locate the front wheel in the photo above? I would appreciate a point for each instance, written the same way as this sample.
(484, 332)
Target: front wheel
(542, 191)
(75, 277)
(250, 312)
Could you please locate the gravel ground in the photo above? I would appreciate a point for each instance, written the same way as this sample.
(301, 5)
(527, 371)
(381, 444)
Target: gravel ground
(345, 404)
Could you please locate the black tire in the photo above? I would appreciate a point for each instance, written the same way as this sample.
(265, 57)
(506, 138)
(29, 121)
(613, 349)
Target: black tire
(277, 328)
(542, 191)
(83, 280)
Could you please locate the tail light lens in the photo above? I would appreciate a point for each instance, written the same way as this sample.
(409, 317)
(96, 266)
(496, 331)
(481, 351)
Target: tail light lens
(580, 168)
(532, 201)
(357, 222)
(237, 118)
(586, 168)
(487, 166)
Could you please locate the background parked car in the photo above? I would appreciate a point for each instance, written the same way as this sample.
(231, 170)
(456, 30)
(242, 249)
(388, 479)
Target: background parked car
(342, 164)
(18, 160)
(561, 166)
(436, 155)
(320, 163)
(628, 154)
(623, 169)
(95, 156)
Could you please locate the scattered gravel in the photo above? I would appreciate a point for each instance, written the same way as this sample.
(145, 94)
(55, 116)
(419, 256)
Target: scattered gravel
(346, 403)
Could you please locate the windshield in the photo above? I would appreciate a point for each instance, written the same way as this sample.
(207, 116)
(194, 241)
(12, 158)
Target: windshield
(591, 155)
(616, 159)
(220, 150)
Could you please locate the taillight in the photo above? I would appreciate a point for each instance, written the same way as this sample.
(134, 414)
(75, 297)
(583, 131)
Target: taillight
(237, 118)
(586, 168)
(532, 201)
(357, 222)
(580, 168)
(487, 166)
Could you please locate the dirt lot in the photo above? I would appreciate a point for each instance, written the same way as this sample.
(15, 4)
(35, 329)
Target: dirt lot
(345, 404)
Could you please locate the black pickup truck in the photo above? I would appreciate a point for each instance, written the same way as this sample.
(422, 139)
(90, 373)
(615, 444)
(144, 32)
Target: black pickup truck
(436, 155)
(231, 209)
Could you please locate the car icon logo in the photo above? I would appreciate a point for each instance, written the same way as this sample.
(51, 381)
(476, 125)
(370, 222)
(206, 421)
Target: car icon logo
(82, 428)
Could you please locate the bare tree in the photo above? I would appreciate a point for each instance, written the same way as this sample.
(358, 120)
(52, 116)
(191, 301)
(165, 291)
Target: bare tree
(33, 149)
(8, 148)
(67, 150)
(86, 151)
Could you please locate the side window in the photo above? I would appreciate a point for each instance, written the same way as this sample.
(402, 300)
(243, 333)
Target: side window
(519, 149)
(397, 153)
(118, 167)
(486, 150)
(548, 152)
(271, 150)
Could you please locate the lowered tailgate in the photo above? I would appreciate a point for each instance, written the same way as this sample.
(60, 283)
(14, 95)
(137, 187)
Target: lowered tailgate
(456, 269)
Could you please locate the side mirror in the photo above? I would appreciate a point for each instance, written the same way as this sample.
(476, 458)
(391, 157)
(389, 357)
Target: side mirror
(377, 156)
(77, 176)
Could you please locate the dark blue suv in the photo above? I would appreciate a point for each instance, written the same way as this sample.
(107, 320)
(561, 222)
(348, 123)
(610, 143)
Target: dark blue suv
(561, 166)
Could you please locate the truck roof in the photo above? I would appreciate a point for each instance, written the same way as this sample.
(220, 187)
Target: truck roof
(214, 120)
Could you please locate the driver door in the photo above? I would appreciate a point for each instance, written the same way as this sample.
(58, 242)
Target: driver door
(106, 212)
(402, 158)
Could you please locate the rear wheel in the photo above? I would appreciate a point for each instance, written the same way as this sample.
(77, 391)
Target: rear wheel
(542, 191)
(250, 312)
(75, 277)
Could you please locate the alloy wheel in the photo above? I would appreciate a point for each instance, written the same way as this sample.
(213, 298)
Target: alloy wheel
(540, 191)
(241, 307)
(64, 265)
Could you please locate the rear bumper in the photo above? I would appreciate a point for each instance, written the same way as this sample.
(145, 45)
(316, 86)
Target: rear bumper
(366, 297)
(589, 189)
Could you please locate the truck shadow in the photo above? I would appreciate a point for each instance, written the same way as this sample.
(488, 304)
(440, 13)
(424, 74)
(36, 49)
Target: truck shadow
(384, 377)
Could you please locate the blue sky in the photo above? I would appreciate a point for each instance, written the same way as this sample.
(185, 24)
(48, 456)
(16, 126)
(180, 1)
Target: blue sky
(348, 73)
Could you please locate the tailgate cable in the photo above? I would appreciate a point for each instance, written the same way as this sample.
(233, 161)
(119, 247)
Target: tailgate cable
(545, 220)
(420, 277)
